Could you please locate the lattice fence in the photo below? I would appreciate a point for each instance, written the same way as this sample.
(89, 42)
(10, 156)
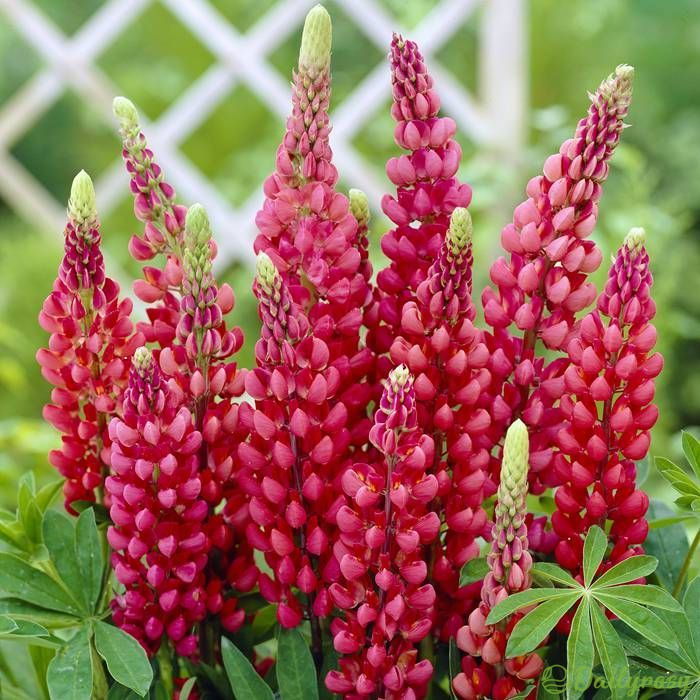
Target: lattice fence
(70, 62)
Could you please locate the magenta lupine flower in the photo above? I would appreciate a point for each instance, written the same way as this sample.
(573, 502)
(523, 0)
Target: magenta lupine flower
(608, 406)
(542, 285)
(510, 563)
(448, 357)
(386, 527)
(160, 548)
(427, 191)
(89, 352)
(154, 205)
(295, 429)
(307, 229)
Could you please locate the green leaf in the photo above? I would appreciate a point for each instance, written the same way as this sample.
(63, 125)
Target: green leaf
(473, 571)
(653, 596)
(21, 610)
(579, 652)
(641, 620)
(41, 658)
(454, 665)
(610, 651)
(19, 580)
(88, 549)
(691, 605)
(556, 573)
(125, 658)
(536, 625)
(594, 548)
(691, 449)
(524, 692)
(296, 673)
(677, 477)
(187, 688)
(642, 470)
(244, 679)
(59, 538)
(264, 623)
(7, 626)
(523, 600)
(669, 546)
(46, 494)
(671, 520)
(626, 571)
(70, 672)
(28, 513)
(641, 648)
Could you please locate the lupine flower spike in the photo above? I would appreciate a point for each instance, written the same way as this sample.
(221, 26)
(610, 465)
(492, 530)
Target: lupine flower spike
(609, 412)
(89, 352)
(159, 546)
(441, 346)
(543, 282)
(386, 526)
(494, 676)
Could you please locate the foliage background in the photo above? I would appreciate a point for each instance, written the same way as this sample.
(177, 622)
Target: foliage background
(572, 46)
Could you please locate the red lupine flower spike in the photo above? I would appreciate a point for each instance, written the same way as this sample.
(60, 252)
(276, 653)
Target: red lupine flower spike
(444, 350)
(154, 204)
(386, 525)
(509, 572)
(609, 412)
(89, 351)
(427, 190)
(160, 548)
(542, 284)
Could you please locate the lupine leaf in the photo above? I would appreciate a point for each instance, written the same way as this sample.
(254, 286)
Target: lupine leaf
(7, 626)
(69, 675)
(642, 468)
(594, 548)
(556, 573)
(669, 546)
(671, 520)
(187, 688)
(641, 620)
(27, 510)
(125, 658)
(245, 681)
(453, 664)
(88, 549)
(653, 596)
(474, 570)
(641, 648)
(20, 580)
(579, 652)
(610, 651)
(691, 604)
(691, 449)
(677, 477)
(523, 600)
(626, 571)
(21, 610)
(536, 625)
(296, 673)
(59, 538)
(46, 494)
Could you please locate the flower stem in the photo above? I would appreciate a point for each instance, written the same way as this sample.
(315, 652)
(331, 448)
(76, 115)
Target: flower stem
(686, 565)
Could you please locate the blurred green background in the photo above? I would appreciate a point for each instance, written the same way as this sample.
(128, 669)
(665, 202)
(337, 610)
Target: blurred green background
(572, 45)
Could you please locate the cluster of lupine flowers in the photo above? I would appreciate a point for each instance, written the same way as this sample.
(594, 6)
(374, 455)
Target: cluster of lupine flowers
(384, 439)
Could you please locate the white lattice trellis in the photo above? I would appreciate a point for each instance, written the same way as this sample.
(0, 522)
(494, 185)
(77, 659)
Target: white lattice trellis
(70, 62)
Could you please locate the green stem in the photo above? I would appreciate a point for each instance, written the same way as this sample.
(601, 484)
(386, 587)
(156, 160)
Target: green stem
(686, 565)
(100, 687)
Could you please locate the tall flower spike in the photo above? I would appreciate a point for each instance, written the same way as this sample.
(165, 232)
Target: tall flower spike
(160, 546)
(164, 224)
(89, 351)
(542, 284)
(442, 347)
(609, 411)
(427, 190)
(510, 562)
(386, 526)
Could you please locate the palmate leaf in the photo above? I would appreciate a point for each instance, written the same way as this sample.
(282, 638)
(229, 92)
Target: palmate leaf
(517, 601)
(69, 675)
(88, 549)
(296, 673)
(473, 571)
(579, 652)
(555, 574)
(610, 651)
(653, 596)
(669, 546)
(536, 625)
(691, 449)
(244, 679)
(677, 477)
(593, 552)
(626, 571)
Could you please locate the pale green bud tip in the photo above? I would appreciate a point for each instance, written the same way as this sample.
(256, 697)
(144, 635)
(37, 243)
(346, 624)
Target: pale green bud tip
(618, 85)
(359, 206)
(142, 358)
(315, 52)
(265, 272)
(459, 235)
(516, 453)
(198, 230)
(399, 377)
(81, 205)
(125, 111)
(635, 240)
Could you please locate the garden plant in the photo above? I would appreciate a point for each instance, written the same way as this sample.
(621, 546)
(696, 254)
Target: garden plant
(416, 492)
